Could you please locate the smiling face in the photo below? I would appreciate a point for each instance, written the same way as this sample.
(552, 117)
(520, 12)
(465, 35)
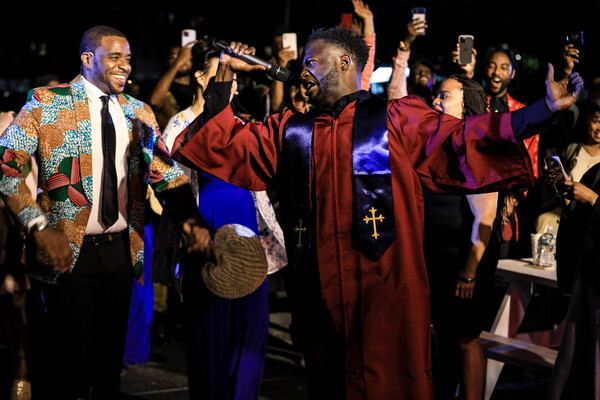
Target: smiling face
(497, 73)
(423, 76)
(108, 67)
(593, 123)
(450, 98)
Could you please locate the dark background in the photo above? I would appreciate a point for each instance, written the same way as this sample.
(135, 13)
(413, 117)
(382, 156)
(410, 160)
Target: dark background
(40, 39)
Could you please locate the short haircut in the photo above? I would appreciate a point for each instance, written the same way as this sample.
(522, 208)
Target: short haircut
(346, 40)
(507, 51)
(92, 38)
(474, 98)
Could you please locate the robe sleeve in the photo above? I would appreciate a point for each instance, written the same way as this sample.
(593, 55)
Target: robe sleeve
(242, 154)
(477, 154)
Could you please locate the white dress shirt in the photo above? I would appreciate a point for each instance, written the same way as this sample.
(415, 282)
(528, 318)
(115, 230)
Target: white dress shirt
(95, 225)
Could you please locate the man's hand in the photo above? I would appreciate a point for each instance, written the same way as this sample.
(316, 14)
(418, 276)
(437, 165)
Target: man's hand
(198, 239)
(235, 63)
(229, 65)
(54, 245)
(468, 68)
(562, 94)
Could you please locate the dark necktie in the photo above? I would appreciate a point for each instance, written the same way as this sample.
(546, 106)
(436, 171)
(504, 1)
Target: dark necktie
(108, 194)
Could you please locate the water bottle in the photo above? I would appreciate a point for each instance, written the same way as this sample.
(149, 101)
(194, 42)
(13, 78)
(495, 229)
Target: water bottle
(546, 246)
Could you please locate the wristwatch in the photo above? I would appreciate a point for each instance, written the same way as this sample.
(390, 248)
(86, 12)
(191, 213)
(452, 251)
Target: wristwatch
(37, 226)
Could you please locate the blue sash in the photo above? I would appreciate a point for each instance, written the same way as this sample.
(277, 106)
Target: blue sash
(373, 214)
(373, 224)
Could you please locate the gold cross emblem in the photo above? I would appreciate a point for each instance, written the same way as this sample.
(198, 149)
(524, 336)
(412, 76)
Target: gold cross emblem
(373, 218)
(299, 229)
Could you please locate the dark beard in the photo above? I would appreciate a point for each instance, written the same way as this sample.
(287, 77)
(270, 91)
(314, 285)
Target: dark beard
(328, 82)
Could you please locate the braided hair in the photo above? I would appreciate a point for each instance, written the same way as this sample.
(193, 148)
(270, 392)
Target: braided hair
(474, 98)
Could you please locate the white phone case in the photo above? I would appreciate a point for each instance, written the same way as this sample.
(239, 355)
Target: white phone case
(289, 40)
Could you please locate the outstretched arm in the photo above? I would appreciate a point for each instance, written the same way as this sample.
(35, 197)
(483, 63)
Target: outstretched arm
(536, 117)
(241, 154)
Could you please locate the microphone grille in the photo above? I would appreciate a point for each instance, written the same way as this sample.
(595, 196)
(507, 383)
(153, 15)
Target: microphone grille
(279, 73)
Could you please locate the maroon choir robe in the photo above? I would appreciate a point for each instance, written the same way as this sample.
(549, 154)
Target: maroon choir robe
(380, 308)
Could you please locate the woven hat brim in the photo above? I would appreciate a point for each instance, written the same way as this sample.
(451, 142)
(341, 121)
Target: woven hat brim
(242, 263)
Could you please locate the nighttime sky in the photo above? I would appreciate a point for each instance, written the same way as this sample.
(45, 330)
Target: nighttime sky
(46, 38)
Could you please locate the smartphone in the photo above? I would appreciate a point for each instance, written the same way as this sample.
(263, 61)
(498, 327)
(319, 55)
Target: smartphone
(418, 13)
(576, 39)
(553, 164)
(289, 40)
(465, 49)
(346, 21)
(187, 36)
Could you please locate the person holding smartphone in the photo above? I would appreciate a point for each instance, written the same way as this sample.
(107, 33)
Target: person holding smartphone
(173, 92)
(397, 86)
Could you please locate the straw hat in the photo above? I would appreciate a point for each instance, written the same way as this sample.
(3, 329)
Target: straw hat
(241, 263)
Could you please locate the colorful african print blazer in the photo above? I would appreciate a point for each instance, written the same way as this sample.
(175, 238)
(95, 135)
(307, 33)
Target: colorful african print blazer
(54, 126)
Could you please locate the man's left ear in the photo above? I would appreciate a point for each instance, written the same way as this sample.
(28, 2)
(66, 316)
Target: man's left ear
(345, 62)
(86, 59)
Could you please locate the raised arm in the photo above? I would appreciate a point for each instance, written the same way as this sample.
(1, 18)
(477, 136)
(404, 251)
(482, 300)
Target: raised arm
(397, 86)
(158, 96)
(217, 143)
(366, 27)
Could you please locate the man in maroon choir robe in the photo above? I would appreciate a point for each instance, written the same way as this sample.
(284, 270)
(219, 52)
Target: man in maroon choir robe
(363, 307)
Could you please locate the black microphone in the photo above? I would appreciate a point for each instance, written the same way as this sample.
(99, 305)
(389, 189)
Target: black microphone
(273, 70)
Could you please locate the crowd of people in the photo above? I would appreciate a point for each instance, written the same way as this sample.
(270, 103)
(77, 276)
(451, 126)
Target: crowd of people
(384, 215)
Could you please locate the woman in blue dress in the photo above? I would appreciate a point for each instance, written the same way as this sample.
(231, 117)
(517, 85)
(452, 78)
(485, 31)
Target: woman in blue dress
(226, 338)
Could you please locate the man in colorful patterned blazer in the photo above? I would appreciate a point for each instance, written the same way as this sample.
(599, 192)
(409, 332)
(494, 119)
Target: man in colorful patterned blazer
(97, 150)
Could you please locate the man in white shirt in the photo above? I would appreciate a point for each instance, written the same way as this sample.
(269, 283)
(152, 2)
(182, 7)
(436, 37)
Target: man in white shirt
(95, 164)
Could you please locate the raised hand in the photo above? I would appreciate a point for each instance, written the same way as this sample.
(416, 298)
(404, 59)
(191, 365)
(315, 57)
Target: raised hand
(285, 55)
(560, 95)
(228, 57)
(468, 68)
(362, 10)
(412, 28)
(366, 27)
(570, 58)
